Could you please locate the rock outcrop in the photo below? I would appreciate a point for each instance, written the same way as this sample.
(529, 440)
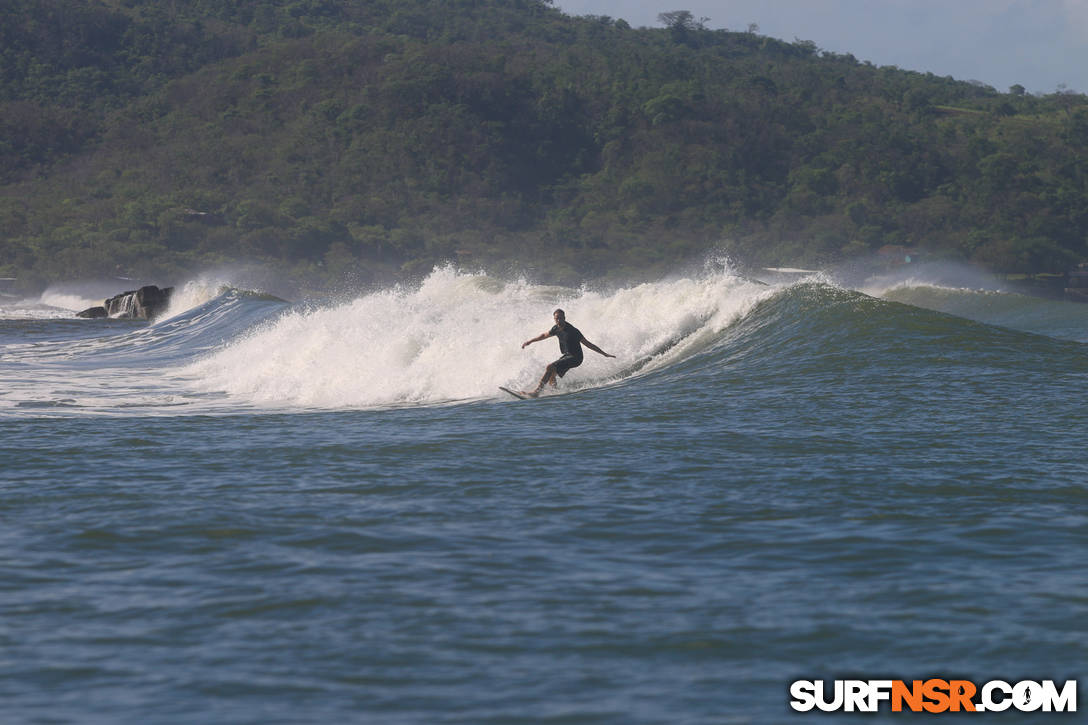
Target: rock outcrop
(145, 303)
(93, 313)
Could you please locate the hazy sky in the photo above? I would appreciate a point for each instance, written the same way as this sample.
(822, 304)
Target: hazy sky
(1039, 44)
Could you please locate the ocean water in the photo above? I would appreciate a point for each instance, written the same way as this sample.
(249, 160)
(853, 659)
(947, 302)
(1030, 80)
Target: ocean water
(257, 511)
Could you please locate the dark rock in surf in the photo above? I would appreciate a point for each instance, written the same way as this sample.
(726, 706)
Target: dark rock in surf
(93, 313)
(145, 303)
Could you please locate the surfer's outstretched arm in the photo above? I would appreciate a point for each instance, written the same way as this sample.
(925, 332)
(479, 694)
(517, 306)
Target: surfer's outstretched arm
(594, 348)
(538, 338)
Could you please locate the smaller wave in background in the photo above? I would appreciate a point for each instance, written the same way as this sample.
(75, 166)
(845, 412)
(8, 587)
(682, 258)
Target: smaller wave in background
(59, 301)
(976, 296)
(62, 300)
(59, 364)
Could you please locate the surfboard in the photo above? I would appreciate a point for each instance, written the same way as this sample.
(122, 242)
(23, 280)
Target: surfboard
(516, 393)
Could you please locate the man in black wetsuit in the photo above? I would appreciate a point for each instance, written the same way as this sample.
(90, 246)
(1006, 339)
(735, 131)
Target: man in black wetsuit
(570, 344)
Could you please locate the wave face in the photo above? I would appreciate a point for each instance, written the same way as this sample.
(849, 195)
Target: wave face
(457, 337)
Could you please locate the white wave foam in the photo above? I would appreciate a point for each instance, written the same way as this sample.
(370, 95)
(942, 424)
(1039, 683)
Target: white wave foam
(884, 288)
(458, 336)
(194, 293)
(31, 310)
(73, 302)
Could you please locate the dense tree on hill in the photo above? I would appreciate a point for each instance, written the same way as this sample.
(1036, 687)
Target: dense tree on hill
(368, 138)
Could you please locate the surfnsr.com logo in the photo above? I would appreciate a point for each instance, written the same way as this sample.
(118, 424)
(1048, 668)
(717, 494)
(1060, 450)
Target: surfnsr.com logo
(933, 695)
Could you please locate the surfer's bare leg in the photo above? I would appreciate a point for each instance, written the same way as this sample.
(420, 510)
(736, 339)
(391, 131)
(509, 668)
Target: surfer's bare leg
(549, 377)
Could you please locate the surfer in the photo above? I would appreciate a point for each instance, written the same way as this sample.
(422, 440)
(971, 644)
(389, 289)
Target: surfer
(570, 344)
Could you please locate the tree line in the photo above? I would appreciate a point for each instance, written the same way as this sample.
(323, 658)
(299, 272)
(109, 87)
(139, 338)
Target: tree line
(353, 141)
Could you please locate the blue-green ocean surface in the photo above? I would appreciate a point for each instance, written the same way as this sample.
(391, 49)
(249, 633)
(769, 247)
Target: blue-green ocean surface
(259, 512)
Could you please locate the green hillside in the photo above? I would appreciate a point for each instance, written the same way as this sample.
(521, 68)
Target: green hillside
(359, 140)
